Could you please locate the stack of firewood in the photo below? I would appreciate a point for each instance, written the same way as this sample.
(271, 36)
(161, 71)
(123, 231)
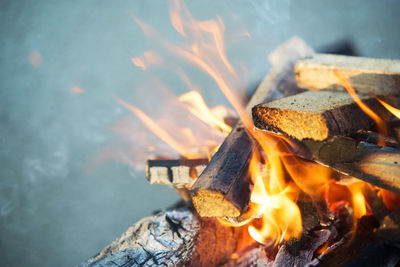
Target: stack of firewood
(329, 128)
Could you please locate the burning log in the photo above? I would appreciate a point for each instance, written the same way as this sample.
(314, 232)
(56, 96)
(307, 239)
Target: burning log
(367, 75)
(174, 237)
(178, 173)
(374, 164)
(316, 115)
(223, 189)
(300, 252)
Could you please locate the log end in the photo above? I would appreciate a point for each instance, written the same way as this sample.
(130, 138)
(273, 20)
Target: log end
(210, 203)
(291, 123)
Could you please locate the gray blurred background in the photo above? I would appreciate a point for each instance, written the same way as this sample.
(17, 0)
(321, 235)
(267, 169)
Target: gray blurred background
(57, 208)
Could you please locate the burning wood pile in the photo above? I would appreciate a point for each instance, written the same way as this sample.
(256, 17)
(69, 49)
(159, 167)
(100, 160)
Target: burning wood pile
(308, 176)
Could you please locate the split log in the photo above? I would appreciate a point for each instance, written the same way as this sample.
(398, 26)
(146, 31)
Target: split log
(178, 173)
(174, 237)
(367, 75)
(379, 166)
(223, 189)
(316, 115)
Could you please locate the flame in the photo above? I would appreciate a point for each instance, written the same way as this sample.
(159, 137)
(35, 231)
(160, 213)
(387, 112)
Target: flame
(393, 110)
(280, 178)
(277, 185)
(149, 58)
(197, 106)
(381, 124)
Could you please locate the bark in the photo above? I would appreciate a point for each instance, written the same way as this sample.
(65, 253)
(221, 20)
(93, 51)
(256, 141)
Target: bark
(223, 189)
(173, 237)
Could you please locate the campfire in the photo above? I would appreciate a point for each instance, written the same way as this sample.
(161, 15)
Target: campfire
(308, 173)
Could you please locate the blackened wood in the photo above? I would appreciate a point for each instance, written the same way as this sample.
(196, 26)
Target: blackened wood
(316, 115)
(300, 252)
(375, 138)
(389, 230)
(367, 75)
(178, 173)
(174, 237)
(254, 257)
(223, 189)
(347, 248)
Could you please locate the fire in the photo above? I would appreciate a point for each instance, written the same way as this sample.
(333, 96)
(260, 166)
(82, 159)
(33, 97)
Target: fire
(277, 185)
(281, 180)
(392, 110)
(381, 124)
(213, 117)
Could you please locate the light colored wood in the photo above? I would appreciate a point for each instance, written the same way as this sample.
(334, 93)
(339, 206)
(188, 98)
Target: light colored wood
(176, 173)
(374, 164)
(366, 75)
(316, 115)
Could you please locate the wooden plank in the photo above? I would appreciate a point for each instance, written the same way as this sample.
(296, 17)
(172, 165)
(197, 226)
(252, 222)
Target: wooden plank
(223, 189)
(374, 164)
(178, 173)
(316, 115)
(367, 75)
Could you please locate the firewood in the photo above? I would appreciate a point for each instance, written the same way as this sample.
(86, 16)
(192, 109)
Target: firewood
(300, 252)
(223, 189)
(174, 237)
(316, 115)
(178, 173)
(389, 230)
(367, 75)
(374, 164)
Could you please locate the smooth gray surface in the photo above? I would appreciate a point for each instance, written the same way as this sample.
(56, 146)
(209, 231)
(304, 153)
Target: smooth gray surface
(53, 212)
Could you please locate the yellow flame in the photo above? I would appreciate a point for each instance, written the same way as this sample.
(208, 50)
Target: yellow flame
(393, 110)
(381, 124)
(196, 105)
(160, 132)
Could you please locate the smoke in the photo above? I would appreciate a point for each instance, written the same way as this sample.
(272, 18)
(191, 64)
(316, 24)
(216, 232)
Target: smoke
(52, 165)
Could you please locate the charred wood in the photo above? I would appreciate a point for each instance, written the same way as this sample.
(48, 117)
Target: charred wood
(223, 189)
(174, 237)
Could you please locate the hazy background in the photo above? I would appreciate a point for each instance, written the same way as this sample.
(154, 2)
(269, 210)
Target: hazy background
(53, 211)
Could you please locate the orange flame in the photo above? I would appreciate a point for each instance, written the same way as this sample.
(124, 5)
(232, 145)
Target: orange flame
(393, 110)
(381, 124)
(278, 176)
(197, 106)
(160, 132)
